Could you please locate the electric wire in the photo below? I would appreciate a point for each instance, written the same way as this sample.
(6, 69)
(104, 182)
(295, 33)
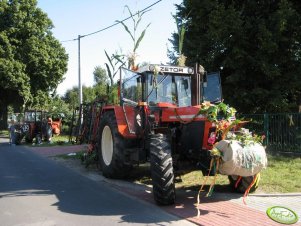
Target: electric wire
(114, 24)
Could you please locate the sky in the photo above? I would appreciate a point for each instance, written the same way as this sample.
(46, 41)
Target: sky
(72, 18)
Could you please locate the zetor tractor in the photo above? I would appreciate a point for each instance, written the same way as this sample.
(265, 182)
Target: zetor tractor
(37, 126)
(158, 120)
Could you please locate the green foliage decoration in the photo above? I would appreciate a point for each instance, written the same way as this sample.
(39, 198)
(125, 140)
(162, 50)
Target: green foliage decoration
(212, 111)
(224, 117)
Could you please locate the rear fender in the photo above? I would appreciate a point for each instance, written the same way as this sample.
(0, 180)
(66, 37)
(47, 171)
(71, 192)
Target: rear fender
(121, 120)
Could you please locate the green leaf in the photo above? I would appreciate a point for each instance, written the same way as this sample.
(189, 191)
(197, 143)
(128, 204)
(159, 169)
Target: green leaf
(140, 38)
(118, 60)
(109, 71)
(130, 12)
(109, 59)
(127, 29)
(140, 16)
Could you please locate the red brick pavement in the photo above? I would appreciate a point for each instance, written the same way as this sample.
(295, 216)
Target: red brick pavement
(213, 211)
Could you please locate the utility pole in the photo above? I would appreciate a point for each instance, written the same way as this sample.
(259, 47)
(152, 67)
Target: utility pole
(80, 88)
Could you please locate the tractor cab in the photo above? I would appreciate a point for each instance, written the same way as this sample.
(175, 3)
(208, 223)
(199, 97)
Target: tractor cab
(165, 99)
(159, 85)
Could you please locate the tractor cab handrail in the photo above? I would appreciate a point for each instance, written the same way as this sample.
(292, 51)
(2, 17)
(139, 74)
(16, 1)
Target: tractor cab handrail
(130, 102)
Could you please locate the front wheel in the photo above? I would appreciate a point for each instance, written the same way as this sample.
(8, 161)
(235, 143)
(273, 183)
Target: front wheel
(162, 173)
(111, 148)
(241, 185)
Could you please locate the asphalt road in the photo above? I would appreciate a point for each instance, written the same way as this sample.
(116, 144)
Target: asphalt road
(37, 191)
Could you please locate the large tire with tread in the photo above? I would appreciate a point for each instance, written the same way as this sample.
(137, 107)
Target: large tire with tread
(111, 148)
(243, 185)
(162, 173)
(47, 133)
(18, 138)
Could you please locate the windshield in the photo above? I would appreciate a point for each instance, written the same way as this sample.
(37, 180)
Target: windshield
(169, 88)
(31, 116)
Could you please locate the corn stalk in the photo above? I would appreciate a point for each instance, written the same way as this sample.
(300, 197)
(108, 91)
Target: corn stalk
(133, 34)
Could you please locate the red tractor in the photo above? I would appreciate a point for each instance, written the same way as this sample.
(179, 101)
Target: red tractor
(158, 120)
(38, 125)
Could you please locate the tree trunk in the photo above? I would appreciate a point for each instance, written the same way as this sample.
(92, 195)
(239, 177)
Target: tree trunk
(3, 116)
(299, 103)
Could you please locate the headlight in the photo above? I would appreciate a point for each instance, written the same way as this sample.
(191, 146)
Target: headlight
(151, 67)
(190, 70)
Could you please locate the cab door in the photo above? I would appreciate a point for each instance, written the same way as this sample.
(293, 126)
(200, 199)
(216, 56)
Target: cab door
(131, 94)
(212, 89)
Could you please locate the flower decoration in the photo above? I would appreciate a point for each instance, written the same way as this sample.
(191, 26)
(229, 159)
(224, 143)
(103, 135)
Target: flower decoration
(224, 117)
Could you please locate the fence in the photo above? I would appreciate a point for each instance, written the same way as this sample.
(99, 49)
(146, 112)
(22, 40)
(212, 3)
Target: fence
(282, 131)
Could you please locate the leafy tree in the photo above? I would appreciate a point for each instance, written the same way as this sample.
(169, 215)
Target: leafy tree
(180, 22)
(59, 106)
(100, 75)
(258, 45)
(71, 96)
(32, 61)
(89, 94)
(100, 90)
(101, 79)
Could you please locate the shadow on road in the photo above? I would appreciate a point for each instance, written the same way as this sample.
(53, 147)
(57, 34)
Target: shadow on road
(25, 174)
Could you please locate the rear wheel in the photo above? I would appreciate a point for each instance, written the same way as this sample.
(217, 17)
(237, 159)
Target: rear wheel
(48, 133)
(243, 184)
(162, 170)
(18, 138)
(111, 148)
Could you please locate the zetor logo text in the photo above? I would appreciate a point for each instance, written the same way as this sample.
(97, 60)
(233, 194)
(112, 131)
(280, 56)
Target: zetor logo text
(282, 215)
(171, 69)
